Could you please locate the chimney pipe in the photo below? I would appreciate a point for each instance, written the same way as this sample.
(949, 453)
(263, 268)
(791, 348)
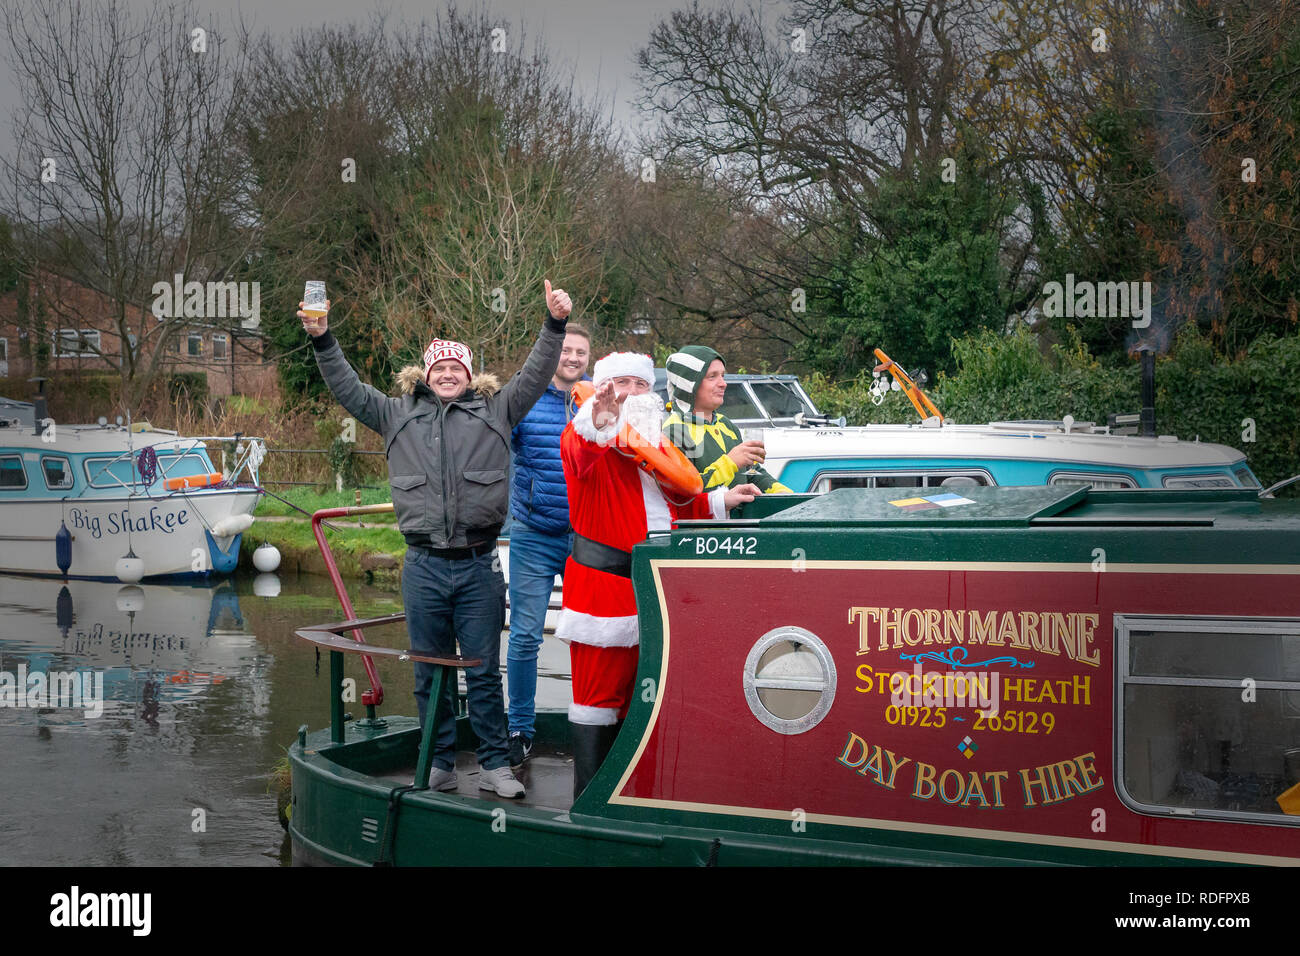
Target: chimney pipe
(1147, 426)
(39, 408)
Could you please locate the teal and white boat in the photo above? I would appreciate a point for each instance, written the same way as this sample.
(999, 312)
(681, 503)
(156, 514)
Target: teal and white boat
(119, 501)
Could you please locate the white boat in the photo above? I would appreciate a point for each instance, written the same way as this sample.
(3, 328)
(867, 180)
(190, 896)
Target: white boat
(135, 492)
(933, 454)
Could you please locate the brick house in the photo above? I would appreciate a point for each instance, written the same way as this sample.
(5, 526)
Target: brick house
(83, 336)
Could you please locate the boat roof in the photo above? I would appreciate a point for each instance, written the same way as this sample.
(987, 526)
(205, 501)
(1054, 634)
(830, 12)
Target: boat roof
(88, 439)
(1040, 506)
(24, 413)
(1015, 440)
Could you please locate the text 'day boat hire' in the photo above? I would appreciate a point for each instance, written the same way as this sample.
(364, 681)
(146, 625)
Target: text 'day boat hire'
(1031, 675)
(112, 501)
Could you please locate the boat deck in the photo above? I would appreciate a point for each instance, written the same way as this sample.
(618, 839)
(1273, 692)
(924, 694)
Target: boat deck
(547, 778)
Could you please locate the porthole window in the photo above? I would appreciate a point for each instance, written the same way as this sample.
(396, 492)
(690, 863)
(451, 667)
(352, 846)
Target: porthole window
(789, 680)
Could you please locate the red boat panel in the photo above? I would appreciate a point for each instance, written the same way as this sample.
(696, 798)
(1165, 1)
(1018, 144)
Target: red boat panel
(1043, 771)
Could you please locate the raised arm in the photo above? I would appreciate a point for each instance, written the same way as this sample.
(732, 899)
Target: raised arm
(363, 402)
(529, 383)
(582, 444)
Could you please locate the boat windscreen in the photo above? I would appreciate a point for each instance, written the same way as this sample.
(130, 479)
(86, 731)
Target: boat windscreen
(781, 400)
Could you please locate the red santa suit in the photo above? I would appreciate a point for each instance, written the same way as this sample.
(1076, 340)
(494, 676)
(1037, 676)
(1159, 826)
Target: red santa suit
(615, 503)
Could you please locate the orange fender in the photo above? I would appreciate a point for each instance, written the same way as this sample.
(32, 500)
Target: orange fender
(193, 481)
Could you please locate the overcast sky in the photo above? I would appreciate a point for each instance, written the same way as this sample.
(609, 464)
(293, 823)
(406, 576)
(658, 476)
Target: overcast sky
(598, 40)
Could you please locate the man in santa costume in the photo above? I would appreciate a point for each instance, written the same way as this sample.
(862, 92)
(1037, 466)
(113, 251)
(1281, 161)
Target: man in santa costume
(613, 504)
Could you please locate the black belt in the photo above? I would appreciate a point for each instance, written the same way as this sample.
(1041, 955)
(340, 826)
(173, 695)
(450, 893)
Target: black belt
(455, 554)
(602, 557)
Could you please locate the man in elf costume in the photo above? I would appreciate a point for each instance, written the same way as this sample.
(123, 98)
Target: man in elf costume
(613, 504)
(696, 387)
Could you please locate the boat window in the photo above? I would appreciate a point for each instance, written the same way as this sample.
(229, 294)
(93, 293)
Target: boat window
(1209, 713)
(110, 472)
(1102, 482)
(737, 405)
(13, 477)
(58, 473)
(789, 680)
(1247, 479)
(1198, 481)
(780, 399)
(178, 466)
(937, 479)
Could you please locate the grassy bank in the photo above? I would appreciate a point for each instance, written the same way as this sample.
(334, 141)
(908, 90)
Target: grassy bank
(372, 553)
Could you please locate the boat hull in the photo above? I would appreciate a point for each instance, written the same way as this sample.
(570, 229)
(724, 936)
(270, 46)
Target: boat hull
(1142, 657)
(174, 535)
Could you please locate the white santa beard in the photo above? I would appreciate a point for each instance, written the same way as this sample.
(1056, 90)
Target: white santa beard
(645, 414)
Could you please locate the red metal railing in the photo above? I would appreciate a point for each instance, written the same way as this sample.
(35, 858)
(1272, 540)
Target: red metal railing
(375, 696)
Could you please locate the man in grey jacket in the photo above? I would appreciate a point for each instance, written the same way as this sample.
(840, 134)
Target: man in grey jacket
(448, 441)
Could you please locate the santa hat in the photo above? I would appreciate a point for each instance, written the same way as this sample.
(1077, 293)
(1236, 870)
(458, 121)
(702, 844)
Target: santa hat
(619, 364)
(686, 370)
(440, 349)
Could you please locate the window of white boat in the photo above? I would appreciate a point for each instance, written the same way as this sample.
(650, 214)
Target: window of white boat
(1208, 716)
(196, 343)
(738, 405)
(789, 680)
(219, 346)
(13, 477)
(178, 466)
(73, 343)
(58, 472)
(948, 478)
(1247, 479)
(110, 472)
(1102, 481)
(1199, 481)
(780, 400)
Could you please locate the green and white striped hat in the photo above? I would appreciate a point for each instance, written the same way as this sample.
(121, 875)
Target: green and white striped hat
(686, 369)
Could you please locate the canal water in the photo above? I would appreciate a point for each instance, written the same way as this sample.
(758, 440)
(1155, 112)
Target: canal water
(204, 688)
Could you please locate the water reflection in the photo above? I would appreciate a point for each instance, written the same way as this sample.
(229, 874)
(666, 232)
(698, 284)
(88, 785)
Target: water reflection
(204, 687)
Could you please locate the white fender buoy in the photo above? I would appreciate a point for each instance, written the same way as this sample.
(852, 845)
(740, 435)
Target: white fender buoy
(266, 558)
(130, 598)
(266, 585)
(129, 568)
(231, 525)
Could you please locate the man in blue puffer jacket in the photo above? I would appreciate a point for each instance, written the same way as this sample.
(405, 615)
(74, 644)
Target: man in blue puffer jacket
(540, 537)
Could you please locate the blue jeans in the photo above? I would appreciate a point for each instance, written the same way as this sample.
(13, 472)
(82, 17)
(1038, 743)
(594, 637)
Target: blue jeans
(449, 602)
(535, 559)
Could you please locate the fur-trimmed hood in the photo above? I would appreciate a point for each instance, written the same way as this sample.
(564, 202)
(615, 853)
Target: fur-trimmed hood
(485, 383)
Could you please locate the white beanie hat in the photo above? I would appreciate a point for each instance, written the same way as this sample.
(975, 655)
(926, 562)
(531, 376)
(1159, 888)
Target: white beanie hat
(619, 364)
(440, 349)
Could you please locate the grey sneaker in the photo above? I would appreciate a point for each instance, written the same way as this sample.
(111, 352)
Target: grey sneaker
(502, 781)
(440, 779)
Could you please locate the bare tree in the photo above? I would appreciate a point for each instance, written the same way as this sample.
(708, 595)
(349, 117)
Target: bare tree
(122, 176)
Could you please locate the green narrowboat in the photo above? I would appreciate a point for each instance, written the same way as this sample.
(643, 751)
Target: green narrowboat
(1002, 676)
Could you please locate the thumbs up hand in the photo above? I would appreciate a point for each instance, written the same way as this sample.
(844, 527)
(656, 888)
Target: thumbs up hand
(557, 301)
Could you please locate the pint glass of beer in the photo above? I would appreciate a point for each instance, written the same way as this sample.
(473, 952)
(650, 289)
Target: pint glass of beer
(313, 299)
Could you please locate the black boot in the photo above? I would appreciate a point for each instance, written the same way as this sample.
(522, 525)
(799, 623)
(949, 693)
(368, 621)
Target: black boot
(605, 741)
(586, 755)
(591, 744)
